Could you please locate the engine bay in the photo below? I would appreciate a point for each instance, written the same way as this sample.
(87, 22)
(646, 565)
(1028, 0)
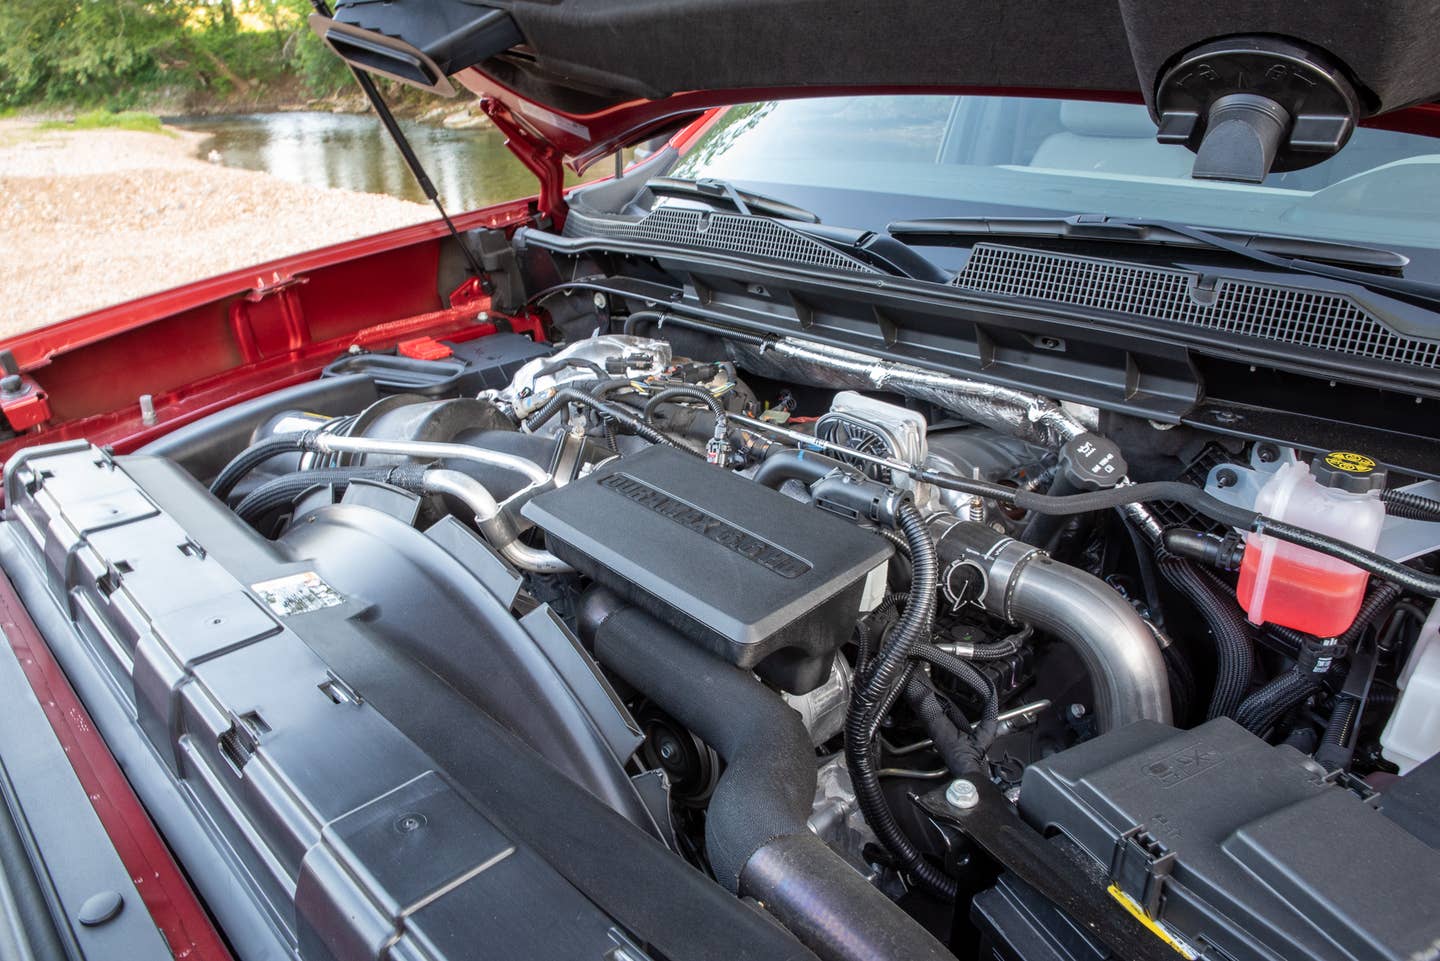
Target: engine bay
(678, 634)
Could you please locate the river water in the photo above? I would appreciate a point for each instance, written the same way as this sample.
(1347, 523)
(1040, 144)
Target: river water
(470, 168)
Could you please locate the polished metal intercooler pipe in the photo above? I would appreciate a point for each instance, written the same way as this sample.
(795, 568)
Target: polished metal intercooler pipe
(1031, 417)
(1023, 585)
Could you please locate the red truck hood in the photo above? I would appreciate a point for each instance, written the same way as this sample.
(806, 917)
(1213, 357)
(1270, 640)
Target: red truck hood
(575, 79)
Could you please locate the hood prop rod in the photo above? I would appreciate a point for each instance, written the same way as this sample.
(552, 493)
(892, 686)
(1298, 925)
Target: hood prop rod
(417, 169)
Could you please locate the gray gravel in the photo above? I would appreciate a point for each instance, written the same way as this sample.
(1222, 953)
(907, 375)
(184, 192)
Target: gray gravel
(98, 217)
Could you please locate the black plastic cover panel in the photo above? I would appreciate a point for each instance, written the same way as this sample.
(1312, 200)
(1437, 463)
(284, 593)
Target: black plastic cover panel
(743, 569)
(341, 837)
(1237, 845)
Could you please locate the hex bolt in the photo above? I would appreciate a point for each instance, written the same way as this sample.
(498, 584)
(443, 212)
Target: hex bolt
(962, 795)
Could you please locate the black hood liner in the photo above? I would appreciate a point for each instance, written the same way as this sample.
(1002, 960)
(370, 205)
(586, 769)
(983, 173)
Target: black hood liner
(583, 55)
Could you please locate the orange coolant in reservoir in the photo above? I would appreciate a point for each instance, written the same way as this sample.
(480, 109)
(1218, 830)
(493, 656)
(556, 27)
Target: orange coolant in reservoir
(1313, 593)
(1282, 583)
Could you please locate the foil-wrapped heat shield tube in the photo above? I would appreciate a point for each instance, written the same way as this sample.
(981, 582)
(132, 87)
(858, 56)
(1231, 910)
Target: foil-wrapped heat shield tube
(1031, 417)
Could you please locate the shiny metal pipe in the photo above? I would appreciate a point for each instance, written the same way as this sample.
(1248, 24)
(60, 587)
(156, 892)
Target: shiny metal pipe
(332, 443)
(486, 509)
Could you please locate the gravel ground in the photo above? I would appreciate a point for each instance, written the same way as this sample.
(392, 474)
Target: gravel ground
(98, 217)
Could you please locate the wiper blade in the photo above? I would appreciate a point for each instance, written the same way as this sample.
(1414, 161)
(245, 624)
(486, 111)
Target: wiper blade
(949, 230)
(744, 201)
(1101, 228)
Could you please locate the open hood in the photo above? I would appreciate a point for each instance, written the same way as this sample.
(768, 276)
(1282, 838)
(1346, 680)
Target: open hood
(572, 80)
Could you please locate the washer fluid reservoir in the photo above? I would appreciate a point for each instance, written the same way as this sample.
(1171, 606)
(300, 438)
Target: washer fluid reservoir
(1282, 583)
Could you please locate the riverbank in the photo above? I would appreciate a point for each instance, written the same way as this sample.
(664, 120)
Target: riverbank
(460, 113)
(90, 218)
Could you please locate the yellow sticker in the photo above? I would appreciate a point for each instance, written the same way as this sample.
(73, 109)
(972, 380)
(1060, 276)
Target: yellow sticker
(1158, 929)
(1348, 460)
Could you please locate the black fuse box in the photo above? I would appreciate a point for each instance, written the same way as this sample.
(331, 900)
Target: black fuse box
(1238, 848)
(758, 578)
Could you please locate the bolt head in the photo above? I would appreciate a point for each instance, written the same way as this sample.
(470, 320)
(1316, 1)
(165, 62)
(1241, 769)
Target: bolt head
(962, 794)
(1077, 711)
(599, 301)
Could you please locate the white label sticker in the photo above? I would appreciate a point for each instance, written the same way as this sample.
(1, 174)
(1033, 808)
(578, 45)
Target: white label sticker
(297, 594)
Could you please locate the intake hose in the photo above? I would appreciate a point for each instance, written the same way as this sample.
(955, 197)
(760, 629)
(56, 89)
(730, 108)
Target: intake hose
(1022, 585)
(756, 834)
(1229, 631)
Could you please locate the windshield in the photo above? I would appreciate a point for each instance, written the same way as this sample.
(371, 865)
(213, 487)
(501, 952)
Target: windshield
(865, 161)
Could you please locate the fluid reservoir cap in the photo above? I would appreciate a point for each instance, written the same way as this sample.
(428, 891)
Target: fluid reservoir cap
(1093, 462)
(1348, 471)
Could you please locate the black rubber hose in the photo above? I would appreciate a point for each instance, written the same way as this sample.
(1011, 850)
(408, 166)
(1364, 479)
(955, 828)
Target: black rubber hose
(1089, 501)
(879, 689)
(633, 322)
(685, 390)
(1410, 506)
(252, 457)
(785, 464)
(571, 395)
(768, 786)
(827, 905)
(1268, 704)
(1229, 631)
(555, 366)
(1342, 721)
(756, 835)
(1406, 577)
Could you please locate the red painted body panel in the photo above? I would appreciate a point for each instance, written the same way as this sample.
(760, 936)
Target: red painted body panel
(166, 893)
(198, 348)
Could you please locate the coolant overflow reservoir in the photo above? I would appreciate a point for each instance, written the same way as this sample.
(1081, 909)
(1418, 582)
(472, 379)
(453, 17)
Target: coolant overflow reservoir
(1282, 583)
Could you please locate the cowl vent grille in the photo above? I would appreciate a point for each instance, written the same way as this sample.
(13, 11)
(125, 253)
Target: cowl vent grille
(709, 230)
(1319, 320)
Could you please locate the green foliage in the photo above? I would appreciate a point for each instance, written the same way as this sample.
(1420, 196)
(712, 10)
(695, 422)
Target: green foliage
(122, 120)
(121, 53)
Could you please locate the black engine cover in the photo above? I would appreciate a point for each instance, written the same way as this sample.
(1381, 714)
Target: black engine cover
(756, 577)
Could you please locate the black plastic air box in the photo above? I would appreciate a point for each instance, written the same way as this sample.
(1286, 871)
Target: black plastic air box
(1241, 849)
(758, 578)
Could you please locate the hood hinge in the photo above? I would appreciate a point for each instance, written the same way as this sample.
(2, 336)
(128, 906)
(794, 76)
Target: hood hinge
(539, 157)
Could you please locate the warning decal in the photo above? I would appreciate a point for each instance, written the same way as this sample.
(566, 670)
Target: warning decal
(297, 594)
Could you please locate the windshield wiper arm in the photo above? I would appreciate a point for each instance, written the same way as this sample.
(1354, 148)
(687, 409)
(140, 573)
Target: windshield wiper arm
(944, 230)
(1097, 227)
(744, 201)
